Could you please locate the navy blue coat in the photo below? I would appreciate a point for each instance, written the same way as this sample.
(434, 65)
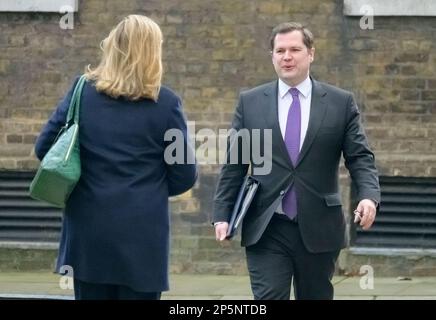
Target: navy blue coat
(116, 225)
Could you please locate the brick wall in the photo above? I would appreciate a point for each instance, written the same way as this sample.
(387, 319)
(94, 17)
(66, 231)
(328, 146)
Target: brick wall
(392, 71)
(212, 50)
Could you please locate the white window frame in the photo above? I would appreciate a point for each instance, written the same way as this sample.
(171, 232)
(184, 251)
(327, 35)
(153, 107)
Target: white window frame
(38, 5)
(391, 7)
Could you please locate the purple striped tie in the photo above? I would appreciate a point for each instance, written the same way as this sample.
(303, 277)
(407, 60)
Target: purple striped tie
(292, 141)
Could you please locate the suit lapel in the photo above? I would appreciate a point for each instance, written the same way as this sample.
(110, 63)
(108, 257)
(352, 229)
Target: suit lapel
(271, 116)
(318, 107)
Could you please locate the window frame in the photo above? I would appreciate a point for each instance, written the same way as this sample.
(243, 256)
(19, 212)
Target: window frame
(38, 6)
(390, 7)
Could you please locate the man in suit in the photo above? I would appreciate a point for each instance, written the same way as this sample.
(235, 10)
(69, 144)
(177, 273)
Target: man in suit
(295, 226)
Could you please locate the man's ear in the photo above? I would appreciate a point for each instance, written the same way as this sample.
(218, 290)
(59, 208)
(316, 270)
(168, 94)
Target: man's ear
(312, 54)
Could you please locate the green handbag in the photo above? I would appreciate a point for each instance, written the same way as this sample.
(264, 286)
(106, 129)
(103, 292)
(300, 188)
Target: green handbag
(60, 168)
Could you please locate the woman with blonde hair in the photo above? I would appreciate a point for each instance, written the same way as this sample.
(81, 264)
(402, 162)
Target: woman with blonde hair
(116, 224)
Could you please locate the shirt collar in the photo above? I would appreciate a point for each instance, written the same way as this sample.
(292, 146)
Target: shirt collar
(304, 87)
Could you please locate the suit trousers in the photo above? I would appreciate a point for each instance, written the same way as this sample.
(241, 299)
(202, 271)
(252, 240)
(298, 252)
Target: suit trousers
(280, 258)
(98, 291)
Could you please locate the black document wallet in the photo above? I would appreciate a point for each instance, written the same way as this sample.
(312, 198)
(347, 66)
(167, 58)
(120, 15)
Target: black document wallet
(243, 201)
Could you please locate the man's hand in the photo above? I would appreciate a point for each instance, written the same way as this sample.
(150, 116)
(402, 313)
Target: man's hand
(365, 213)
(221, 231)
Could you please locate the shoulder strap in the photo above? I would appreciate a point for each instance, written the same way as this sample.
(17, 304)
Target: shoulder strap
(74, 108)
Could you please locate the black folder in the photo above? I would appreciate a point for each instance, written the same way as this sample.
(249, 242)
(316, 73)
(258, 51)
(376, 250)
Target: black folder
(243, 201)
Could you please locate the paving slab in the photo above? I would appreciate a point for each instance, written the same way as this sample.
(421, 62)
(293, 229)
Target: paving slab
(405, 298)
(353, 287)
(354, 297)
(46, 285)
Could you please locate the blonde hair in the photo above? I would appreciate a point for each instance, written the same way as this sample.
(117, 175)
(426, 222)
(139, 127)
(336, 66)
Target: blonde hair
(131, 65)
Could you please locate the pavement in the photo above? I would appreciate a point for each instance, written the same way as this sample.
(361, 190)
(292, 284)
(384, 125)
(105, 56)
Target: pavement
(46, 285)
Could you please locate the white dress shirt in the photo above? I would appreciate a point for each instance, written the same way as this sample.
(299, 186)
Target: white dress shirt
(284, 103)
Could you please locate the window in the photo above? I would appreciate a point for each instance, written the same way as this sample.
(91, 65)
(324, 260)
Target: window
(390, 7)
(23, 219)
(407, 216)
(38, 5)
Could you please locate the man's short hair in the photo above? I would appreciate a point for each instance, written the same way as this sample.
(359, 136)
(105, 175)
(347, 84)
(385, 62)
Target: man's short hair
(286, 27)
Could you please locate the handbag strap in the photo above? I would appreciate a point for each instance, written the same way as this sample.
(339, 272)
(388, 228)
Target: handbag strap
(74, 108)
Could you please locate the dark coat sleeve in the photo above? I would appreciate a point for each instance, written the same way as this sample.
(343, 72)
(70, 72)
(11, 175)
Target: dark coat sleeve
(233, 172)
(55, 123)
(181, 175)
(359, 159)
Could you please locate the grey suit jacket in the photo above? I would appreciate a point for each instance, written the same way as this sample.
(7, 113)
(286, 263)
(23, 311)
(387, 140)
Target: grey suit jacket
(334, 129)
